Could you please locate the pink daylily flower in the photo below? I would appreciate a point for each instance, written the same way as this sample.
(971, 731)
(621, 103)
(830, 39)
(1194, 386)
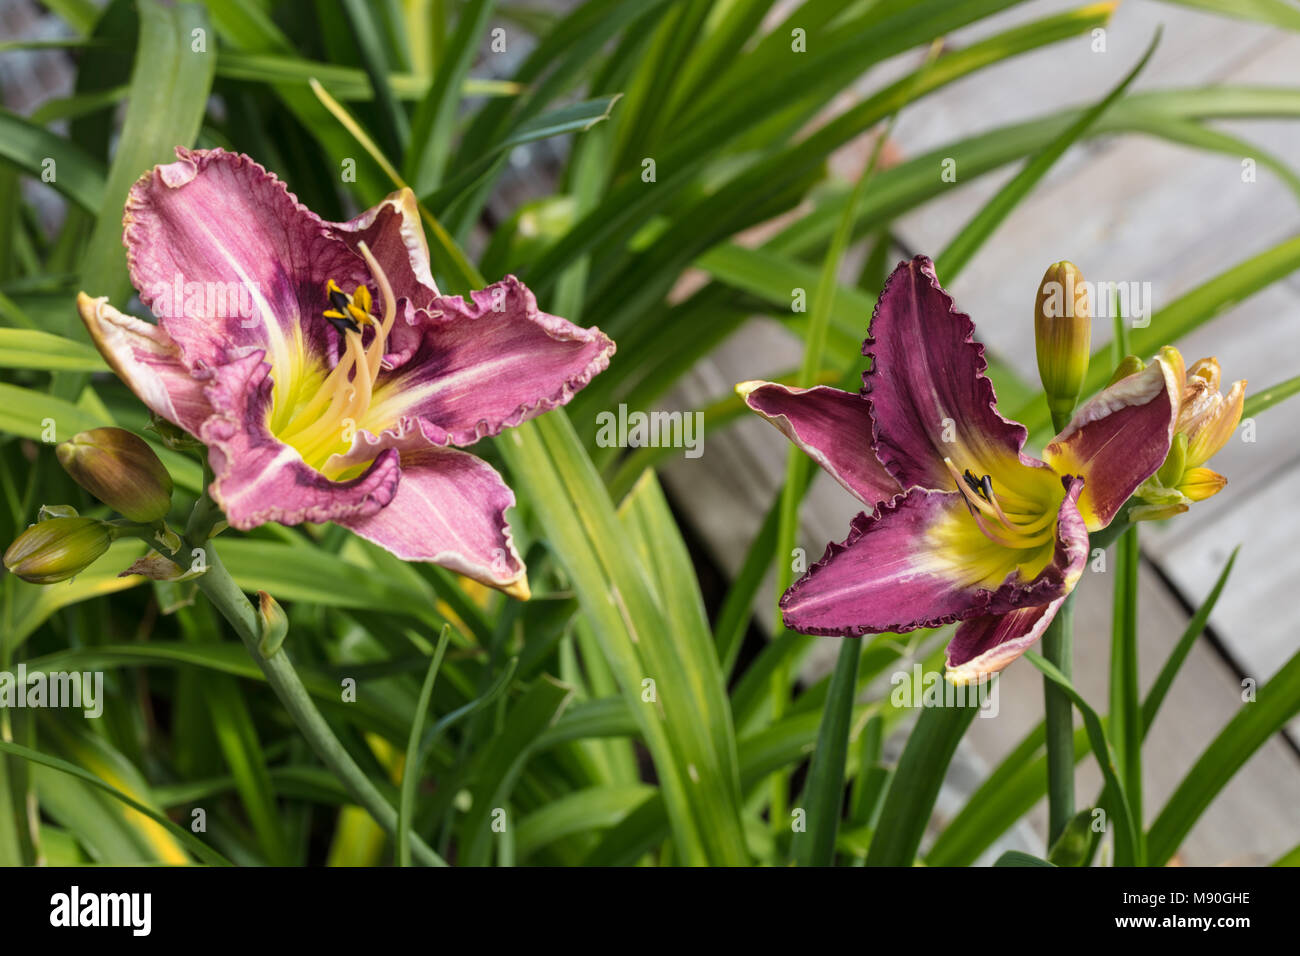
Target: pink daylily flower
(320, 365)
(962, 525)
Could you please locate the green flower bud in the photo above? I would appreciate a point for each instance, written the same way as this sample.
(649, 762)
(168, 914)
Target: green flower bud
(57, 548)
(274, 624)
(1131, 365)
(1171, 472)
(121, 470)
(1063, 335)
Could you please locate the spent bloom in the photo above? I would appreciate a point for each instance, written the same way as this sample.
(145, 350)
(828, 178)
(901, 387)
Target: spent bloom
(328, 377)
(1207, 418)
(962, 525)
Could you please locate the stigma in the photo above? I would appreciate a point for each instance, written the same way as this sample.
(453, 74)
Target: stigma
(1011, 530)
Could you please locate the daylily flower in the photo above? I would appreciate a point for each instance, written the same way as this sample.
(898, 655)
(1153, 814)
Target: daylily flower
(320, 365)
(962, 525)
(1206, 420)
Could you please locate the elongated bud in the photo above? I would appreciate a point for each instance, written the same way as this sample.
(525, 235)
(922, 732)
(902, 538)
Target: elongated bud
(1171, 472)
(121, 470)
(57, 548)
(274, 623)
(1131, 365)
(1063, 335)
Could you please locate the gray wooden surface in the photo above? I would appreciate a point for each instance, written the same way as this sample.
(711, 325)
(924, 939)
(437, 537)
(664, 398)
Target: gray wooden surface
(1123, 208)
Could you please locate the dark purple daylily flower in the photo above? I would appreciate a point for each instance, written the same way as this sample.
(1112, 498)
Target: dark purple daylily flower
(327, 375)
(963, 527)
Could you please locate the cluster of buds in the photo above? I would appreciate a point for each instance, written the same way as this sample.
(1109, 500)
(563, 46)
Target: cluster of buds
(119, 469)
(1207, 418)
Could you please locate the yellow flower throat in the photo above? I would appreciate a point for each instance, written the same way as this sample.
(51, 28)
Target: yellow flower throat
(1016, 528)
(322, 411)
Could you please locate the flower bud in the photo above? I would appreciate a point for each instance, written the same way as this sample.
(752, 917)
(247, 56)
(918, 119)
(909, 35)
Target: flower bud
(273, 622)
(1131, 365)
(1063, 335)
(121, 470)
(57, 548)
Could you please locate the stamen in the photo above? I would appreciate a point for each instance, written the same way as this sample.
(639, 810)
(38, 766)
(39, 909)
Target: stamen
(317, 428)
(990, 517)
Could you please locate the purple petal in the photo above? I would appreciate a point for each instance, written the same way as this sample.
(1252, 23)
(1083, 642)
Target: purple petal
(899, 569)
(930, 397)
(1118, 440)
(260, 479)
(833, 427)
(228, 259)
(449, 509)
(148, 361)
(489, 364)
(986, 644)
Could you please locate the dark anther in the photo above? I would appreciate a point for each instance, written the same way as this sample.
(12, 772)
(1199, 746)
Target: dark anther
(342, 325)
(981, 486)
(339, 301)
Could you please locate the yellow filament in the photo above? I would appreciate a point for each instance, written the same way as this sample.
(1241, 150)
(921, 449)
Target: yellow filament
(318, 429)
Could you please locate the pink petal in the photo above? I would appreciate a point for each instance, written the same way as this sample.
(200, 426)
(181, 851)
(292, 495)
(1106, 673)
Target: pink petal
(260, 479)
(833, 427)
(986, 644)
(218, 224)
(930, 397)
(449, 509)
(1118, 440)
(148, 361)
(488, 364)
(894, 573)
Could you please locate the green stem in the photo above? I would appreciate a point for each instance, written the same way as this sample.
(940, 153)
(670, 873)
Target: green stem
(1058, 649)
(1058, 710)
(227, 598)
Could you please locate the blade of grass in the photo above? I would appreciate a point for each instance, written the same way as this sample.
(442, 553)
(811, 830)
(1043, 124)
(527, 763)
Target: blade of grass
(824, 794)
(1125, 829)
(1270, 396)
(1278, 701)
(430, 150)
(968, 241)
(414, 766)
(198, 847)
(916, 782)
(78, 176)
(394, 127)
(169, 94)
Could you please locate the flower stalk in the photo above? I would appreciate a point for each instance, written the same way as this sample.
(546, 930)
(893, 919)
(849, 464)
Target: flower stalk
(226, 596)
(1063, 338)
